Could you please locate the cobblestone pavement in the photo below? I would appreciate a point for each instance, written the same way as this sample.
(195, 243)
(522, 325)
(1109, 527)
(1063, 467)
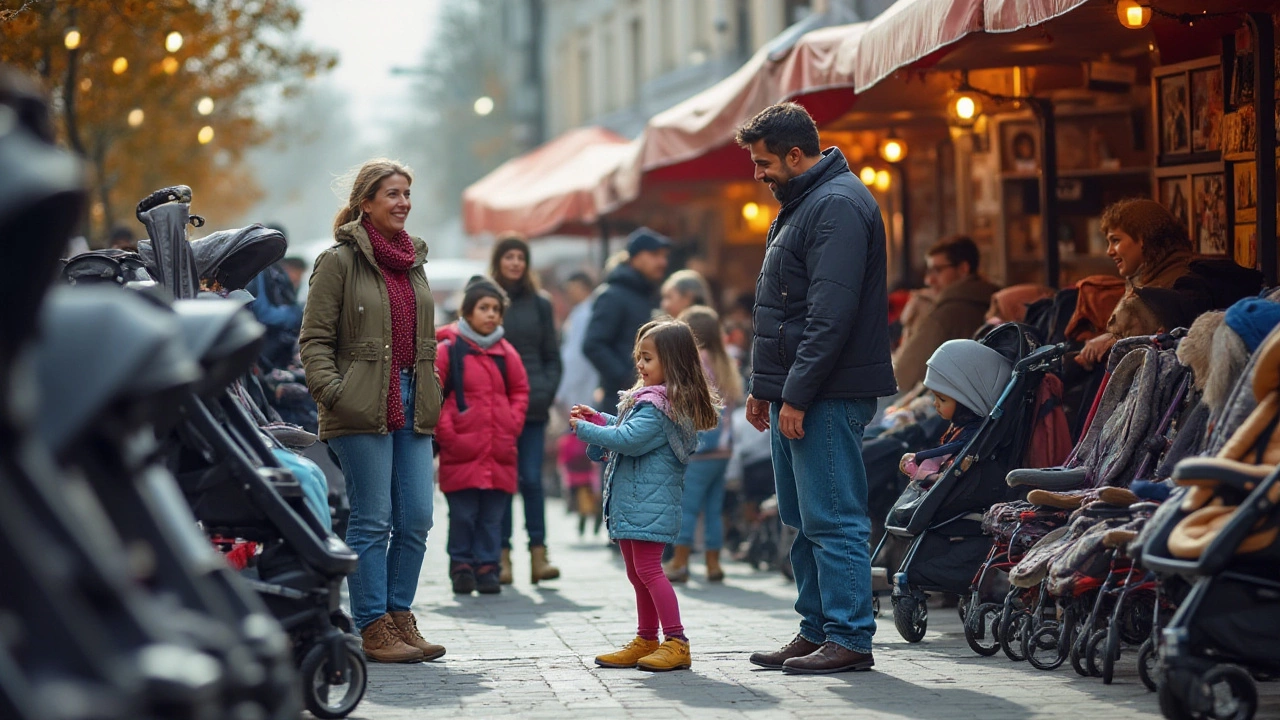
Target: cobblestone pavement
(528, 653)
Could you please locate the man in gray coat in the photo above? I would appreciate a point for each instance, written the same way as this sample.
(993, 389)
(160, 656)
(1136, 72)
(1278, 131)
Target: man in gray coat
(820, 360)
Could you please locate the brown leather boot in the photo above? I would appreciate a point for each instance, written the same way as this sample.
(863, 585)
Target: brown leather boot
(383, 644)
(677, 568)
(773, 660)
(830, 658)
(539, 568)
(407, 625)
(715, 573)
(504, 568)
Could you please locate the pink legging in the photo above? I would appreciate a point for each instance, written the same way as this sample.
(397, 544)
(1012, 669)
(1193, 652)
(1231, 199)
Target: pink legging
(655, 598)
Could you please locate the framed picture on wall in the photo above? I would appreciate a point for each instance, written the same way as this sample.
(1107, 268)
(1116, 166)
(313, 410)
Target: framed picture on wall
(1209, 213)
(1188, 98)
(1246, 241)
(1245, 189)
(1175, 195)
(1206, 110)
(1020, 147)
(1175, 116)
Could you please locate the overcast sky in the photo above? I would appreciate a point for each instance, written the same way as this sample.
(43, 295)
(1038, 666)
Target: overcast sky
(371, 37)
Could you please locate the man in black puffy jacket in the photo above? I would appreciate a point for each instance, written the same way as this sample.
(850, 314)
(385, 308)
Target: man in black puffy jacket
(820, 360)
(624, 303)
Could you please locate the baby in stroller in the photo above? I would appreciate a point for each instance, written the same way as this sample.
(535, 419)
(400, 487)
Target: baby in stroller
(966, 378)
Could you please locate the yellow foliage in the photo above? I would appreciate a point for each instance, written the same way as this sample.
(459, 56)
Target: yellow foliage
(230, 52)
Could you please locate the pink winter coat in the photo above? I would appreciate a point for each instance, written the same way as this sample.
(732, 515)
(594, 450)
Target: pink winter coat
(478, 446)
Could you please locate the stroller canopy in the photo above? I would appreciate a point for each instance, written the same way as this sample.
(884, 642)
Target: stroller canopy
(231, 257)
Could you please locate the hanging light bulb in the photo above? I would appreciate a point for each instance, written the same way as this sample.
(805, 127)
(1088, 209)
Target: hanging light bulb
(893, 149)
(205, 106)
(882, 180)
(750, 211)
(169, 65)
(206, 135)
(1133, 14)
(173, 41)
(136, 116)
(867, 175)
(72, 39)
(120, 65)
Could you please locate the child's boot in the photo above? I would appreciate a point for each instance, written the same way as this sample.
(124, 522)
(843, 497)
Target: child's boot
(540, 569)
(504, 567)
(677, 569)
(715, 573)
(670, 655)
(629, 654)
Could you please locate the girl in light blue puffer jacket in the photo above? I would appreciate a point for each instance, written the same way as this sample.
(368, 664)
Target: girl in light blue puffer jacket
(646, 448)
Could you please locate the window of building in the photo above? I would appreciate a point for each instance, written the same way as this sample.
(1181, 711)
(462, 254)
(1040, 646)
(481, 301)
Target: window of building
(635, 68)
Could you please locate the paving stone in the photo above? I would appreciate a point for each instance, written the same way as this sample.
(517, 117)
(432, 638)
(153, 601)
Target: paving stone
(529, 652)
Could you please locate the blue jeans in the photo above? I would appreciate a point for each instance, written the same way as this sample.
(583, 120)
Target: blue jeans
(822, 492)
(530, 447)
(703, 493)
(389, 485)
(475, 525)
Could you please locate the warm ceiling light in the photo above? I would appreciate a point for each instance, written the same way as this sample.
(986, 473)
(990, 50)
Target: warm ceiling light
(120, 65)
(72, 39)
(750, 211)
(169, 65)
(1133, 14)
(867, 175)
(893, 149)
(206, 135)
(205, 106)
(136, 116)
(173, 41)
(882, 180)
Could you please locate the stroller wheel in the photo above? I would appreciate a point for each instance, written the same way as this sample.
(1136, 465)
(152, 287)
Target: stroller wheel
(1175, 694)
(1148, 665)
(1094, 652)
(962, 607)
(1229, 693)
(1045, 647)
(980, 629)
(1079, 643)
(325, 698)
(1014, 626)
(911, 617)
(1110, 655)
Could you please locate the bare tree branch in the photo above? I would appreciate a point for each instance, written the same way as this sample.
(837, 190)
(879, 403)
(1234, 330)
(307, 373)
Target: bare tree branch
(7, 15)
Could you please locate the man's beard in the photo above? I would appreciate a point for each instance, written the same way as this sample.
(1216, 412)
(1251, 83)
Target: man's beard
(779, 188)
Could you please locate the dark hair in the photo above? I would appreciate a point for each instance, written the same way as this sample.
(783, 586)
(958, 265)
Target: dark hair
(958, 249)
(581, 278)
(1148, 221)
(122, 232)
(528, 283)
(782, 127)
(296, 263)
(479, 287)
(691, 396)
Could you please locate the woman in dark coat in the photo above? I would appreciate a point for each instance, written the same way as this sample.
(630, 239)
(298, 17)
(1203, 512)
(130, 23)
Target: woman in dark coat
(530, 326)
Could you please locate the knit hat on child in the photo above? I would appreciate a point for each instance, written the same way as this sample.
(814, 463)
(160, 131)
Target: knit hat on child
(969, 372)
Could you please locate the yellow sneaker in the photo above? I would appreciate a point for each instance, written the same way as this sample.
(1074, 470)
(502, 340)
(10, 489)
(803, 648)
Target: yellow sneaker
(629, 654)
(670, 655)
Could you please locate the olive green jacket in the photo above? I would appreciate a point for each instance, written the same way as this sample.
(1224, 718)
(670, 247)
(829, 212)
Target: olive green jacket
(346, 339)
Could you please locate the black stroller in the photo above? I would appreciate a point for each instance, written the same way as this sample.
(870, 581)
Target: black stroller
(235, 485)
(1221, 534)
(942, 528)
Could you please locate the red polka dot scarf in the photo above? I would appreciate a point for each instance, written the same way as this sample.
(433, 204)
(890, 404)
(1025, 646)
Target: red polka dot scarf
(395, 257)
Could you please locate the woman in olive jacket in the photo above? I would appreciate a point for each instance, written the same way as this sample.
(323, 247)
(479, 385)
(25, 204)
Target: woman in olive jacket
(530, 326)
(369, 348)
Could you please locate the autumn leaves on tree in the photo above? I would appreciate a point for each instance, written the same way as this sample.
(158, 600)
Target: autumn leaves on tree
(160, 92)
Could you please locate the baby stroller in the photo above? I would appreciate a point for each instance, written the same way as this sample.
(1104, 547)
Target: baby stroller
(942, 526)
(234, 484)
(1221, 534)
